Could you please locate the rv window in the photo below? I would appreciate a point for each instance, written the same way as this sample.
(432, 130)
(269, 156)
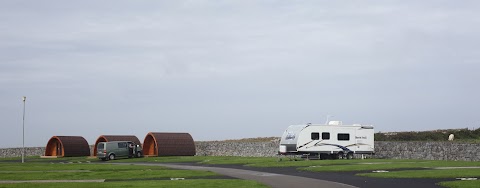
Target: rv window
(326, 136)
(315, 136)
(343, 136)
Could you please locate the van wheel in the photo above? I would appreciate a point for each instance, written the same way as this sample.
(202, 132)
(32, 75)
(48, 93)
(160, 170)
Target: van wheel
(139, 154)
(111, 157)
(349, 155)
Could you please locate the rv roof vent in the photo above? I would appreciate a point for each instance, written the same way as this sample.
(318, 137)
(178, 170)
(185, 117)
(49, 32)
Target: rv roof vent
(367, 126)
(335, 123)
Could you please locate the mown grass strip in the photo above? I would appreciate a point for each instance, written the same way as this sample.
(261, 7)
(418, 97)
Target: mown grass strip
(387, 165)
(38, 159)
(461, 184)
(180, 159)
(59, 167)
(129, 174)
(146, 184)
(116, 175)
(91, 171)
(450, 173)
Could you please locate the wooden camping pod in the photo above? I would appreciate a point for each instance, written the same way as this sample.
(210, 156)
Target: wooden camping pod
(168, 144)
(67, 146)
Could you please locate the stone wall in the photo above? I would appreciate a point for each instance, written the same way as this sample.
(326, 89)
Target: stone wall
(17, 152)
(389, 150)
(428, 150)
(29, 151)
(244, 149)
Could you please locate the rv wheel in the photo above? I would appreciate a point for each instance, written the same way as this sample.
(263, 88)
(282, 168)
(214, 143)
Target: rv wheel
(349, 155)
(340, 155)
(324, 156)
(111, 157)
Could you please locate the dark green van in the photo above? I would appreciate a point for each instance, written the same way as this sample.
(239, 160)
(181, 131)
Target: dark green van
(118, 149)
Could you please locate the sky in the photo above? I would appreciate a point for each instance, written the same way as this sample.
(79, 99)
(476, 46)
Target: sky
(234, 69)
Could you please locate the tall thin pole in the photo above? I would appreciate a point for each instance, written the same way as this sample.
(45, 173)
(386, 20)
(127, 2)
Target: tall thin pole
(23, 131)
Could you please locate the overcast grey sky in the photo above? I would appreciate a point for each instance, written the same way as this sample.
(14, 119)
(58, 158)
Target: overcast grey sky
(235, 69)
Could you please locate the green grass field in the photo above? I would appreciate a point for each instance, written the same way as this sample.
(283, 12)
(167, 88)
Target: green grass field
(373, 164)
(450, 173)
(311, 165)
(51, 169)
(461, 184)
(146, 184)
(115, 175)
(349, 165)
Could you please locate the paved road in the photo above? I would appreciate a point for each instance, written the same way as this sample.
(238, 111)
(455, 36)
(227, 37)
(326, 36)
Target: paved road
(270, 179)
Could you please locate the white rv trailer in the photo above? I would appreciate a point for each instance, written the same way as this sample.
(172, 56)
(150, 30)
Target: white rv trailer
(332, 140)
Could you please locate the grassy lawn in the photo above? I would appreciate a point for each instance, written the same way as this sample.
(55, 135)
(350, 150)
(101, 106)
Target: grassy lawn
(116, 175)
(389, 165)
(203, 160)
(45, 167)
(423, 172)
(257, 161)
(110, 175)
(178, 159)
(52, 169)
(311, 165)
(461, 184)
(350, 165)
(93, 171)
(38, 159)
(450, 173)
(146, 184)
(308, 165)
(320, 165)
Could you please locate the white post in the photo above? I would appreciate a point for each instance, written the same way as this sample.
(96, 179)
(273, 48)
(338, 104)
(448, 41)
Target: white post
(23, 132)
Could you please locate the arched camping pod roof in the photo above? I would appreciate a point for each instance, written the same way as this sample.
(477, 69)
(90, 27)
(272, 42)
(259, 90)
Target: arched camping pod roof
(67, 146)
(110, 138)
(168, 144)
